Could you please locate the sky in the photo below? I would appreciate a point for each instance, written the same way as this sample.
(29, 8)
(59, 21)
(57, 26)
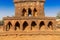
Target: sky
(51, 8)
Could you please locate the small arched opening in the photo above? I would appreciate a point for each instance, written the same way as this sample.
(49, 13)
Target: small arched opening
(34, 12)
(29, 12)
(25, 24)
(33, 24)
(50, 25)
(41, 24)
(8, 26)
(17, 25)
(23, 12)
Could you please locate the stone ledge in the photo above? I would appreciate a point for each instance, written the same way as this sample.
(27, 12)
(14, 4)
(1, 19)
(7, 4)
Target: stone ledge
(30, 33)
(28, 18)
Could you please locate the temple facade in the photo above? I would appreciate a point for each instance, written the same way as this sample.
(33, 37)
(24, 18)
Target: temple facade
(29, 15)
(29, 22)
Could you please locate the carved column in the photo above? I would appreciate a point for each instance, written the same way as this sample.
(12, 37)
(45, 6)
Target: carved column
(46, 27)
(29, 23)
(32, 12)
(37, 26)
(54, 25)
(27, 12)
(4, 28)
(46, 23)
(21, 25)
(12, 28)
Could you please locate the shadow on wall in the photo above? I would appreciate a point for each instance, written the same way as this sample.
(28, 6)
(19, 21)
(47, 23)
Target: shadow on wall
(1, 23)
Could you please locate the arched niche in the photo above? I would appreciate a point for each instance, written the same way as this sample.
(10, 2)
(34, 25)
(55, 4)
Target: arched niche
(8, 26)
(17, 25)
(25, 24)
(50, 24)
(24, 12)
(29, 12)
(41, 24)
(33, 24)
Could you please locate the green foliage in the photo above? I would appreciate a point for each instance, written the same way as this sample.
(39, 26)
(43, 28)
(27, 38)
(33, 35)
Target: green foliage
(58, 16)
(1, 22)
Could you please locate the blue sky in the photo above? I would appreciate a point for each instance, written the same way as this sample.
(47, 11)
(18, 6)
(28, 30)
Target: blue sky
(52, 7)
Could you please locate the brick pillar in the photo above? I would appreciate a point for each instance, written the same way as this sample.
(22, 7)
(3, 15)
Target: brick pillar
(46, 27)
(21, 25)
(32, 12)
(29, 23)
(12, 28)
(37, 26)
(27, 12)
(53, 28)
(46, 23)
(4, 28)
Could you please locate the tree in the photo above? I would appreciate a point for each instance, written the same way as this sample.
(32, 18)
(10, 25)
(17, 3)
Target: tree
(58, 15)
(1, 22)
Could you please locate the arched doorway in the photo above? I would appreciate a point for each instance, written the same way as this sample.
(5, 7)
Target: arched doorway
(29, 12)
(41, 24)
(8, 26)
(34, 12)
(17, 25)
(25, 24)
(33, 24)
(50, 25)
(23, 11)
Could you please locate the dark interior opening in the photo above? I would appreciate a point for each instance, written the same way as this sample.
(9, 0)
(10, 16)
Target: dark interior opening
(23, 11)
(17, 25)
(8, 26)
(35, 10)
(50, 24)
(29, 12)
(41, 24)
(33, 24)
(25, 24)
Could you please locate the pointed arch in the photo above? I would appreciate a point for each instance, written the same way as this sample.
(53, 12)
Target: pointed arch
(23, 11)
(17, 24)
(25, 24)
(41, 24)
(29, 12)
(33, 24)
(50, 24)
(8, 26)
(35, 10)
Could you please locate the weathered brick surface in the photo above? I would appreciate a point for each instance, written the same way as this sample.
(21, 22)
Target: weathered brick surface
(28, 12)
